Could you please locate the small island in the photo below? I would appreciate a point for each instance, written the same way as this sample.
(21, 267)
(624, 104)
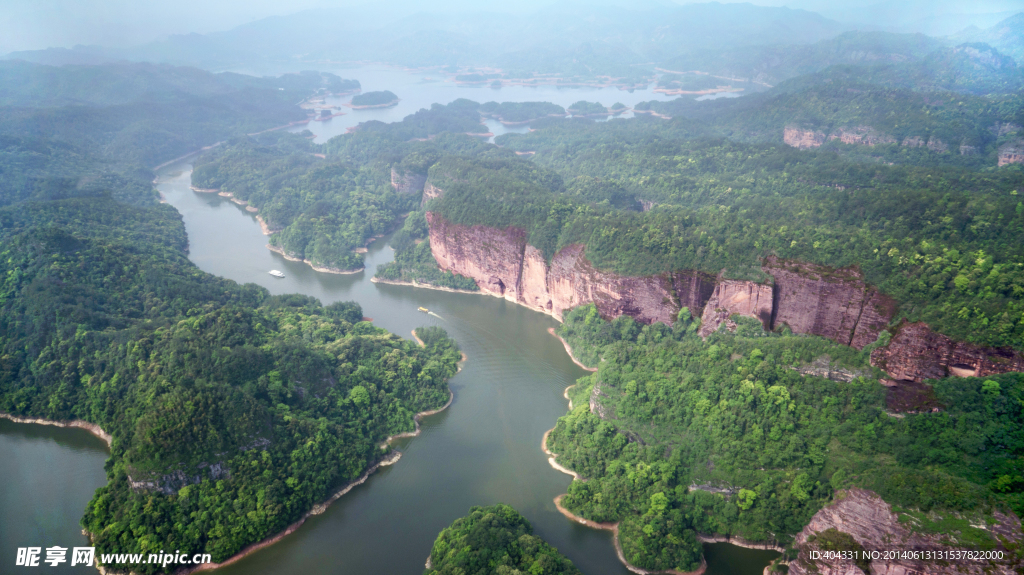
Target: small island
(382, 99)
(588, 109)
(495, 539)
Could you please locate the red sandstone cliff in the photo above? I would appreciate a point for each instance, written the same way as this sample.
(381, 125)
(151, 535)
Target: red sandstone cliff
(802, 139)
(736, 297)
(869, 520)
(859, 135)
(810, 299)
(1011, 154)
(916, 353)
(502, 264)
(836, 304)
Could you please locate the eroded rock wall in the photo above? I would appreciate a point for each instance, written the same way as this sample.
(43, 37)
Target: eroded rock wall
(503, 264)
(810, 299)
(802, 139)
(917, 353)
(871, 523)
(408, 183)
(836, 304)
(736, 297)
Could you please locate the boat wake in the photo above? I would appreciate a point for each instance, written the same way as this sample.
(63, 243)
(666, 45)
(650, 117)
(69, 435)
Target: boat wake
(435, 315)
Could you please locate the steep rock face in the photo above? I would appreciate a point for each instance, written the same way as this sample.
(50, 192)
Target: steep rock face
(502, 264)
(693, 289)
(736, 297)
(408, 183)
(802, 139)
(871, 523)
(836, 304)
(810, 299)
(861, 135)
(491, 257)
(916, 353)
(1011, 154)
(430, 191)
(573, 281)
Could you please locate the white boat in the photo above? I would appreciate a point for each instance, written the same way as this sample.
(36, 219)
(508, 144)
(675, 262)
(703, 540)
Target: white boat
(276, 273)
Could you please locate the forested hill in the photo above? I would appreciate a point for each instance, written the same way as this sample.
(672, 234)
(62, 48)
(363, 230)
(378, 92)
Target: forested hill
(498, 540)
(146, 114)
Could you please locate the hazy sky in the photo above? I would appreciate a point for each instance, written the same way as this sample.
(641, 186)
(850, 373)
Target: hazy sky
(35, 24)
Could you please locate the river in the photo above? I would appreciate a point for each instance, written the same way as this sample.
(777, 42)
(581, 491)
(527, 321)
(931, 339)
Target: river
(484, 449)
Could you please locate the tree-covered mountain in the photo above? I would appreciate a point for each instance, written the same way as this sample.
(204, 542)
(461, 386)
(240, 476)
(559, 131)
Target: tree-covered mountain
(144, 113)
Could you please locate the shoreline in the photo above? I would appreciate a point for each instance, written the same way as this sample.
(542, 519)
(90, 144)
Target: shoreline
(565, 394)
(370, 106)
(568, 350)
(281, 251)
(414, 283)
(479, 292)
(739, 542)
(317, 509)
(552, 456)
(92, 428)
(614, 528)
(321, 507)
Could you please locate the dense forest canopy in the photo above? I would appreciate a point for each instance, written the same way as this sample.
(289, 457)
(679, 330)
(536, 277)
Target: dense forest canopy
(678, 436)
(232, 411)
(498, 540)
(384, 97)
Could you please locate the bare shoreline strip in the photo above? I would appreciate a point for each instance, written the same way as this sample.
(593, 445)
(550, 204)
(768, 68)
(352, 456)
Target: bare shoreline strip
(90, 427)
(568, 350)
(552, 456)
(316, 510)
(377, 280)
(321, 507)
(453, 290)
(315, 267)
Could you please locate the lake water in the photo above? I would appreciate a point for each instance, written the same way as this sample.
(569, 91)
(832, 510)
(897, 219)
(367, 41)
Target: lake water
(484, 449)
(47, 476)
(419, 90)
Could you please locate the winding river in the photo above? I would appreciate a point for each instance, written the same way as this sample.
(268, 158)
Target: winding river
(484, 449)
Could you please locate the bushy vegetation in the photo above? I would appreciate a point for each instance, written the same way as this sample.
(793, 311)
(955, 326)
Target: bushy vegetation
(585, 108)
(763, 446)
(322, 209)
(495, 540)
(381, 98)
(520, 111)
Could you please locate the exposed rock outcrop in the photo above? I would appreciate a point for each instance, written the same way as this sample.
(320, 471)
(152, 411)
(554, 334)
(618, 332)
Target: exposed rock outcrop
(861, 135)
(408, 183)
(808, 298)
(430, 191)
(171, 483)
(870, 522)
(802, 139)
(736, 297)
(916, 353)
(836, 304)
(502, 264)
(858, 135)
(1011, 154)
